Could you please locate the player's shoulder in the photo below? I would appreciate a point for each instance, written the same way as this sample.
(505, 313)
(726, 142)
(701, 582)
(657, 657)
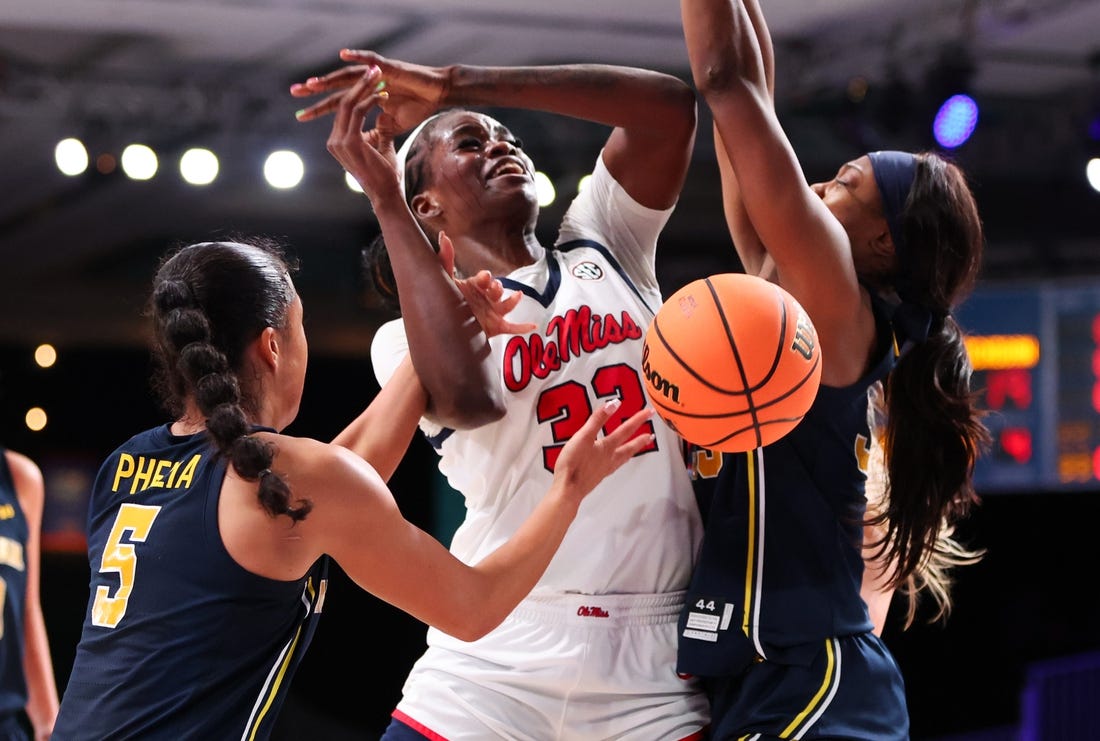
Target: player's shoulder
(23, 469)
(302, 453)
(318, 466)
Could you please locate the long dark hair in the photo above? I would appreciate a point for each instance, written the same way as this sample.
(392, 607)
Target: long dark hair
(934, 430)
(209, 301)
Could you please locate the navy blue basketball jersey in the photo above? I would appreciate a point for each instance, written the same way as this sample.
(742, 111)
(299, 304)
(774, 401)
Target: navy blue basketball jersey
(781, 565)
(179, 641)
(13, 572)
(779, 574)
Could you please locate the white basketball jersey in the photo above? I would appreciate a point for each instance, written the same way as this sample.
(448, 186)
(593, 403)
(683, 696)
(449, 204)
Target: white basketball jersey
(592, 298)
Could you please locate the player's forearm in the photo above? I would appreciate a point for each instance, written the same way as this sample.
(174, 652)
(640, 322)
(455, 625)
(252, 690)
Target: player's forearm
(508, 574)
(381, 433)
(626, 97)
(750, 250)
(764, 40)
(42, 697)
(448, 347)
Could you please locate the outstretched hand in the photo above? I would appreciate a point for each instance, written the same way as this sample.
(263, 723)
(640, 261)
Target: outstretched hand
(368, 156)
(485, 295)
(588, 458)
(415, 91)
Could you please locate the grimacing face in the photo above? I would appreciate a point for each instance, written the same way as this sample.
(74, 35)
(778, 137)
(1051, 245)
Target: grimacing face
(475, 160)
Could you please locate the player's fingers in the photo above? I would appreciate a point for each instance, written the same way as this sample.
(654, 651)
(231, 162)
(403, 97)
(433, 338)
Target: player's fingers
(360, 56)
(354, 104)
(599, 416)
(622, 453)
(337, 80)
(507, 327)
(360, 109)
(447, 253)
(322, 108)
(367, 76)
(386, 126)
(510, 302)
(488, 285)
(630, 426)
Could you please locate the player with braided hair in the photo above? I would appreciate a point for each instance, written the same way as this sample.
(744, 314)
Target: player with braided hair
(210, 537)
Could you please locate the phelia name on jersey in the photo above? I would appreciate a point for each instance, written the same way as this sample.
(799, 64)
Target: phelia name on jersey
(144, 473)
(576, 332)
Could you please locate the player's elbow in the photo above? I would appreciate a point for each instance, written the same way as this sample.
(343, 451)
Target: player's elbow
(474, 628)
(470, 620)
(468, 411)
(718, 76)
(680, 115)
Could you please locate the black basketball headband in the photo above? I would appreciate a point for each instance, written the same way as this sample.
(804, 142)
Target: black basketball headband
(894, 173)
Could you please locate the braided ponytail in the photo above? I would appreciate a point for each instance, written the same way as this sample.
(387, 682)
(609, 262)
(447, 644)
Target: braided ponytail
(209, 301)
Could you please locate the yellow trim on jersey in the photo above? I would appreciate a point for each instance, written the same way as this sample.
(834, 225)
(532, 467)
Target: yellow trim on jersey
(273, 690)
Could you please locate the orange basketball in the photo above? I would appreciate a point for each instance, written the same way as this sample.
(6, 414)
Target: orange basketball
(731, 362)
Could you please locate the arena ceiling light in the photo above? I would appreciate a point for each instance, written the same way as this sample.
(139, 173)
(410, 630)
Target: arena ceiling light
(955, 121)
(948, 83)
(71, 156)
(1092, 172)
(199, 166)
(284, 169)
(139, 162)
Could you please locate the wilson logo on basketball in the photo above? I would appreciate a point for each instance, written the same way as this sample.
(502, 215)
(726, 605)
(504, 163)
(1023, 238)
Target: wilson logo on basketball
(659, 385)
(804, 337)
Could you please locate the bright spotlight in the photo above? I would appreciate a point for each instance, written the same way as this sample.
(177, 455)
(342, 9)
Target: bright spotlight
(199, 166)
(545, 189)
(45, 355)
(1092, 172)
(35, 419)
(283, 169)
(139, 162)
(71, 156)
(583, 182)
(352, 182)
(955, 121)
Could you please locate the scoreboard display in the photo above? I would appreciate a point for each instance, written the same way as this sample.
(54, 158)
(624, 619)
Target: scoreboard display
(1036, 353)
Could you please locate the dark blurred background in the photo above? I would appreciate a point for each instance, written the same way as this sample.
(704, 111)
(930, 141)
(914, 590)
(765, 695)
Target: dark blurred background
(77, 252)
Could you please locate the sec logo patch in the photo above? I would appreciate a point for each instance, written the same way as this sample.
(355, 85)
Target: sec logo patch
(587, 271)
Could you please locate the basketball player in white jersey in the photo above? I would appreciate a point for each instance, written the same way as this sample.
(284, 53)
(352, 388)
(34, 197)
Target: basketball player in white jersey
(591, 653)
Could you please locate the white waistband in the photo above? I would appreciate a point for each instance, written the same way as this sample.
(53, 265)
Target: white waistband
(609, 609)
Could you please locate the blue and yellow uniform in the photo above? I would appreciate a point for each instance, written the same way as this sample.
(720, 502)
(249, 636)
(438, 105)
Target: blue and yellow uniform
(774, 621)
(179, 641)
(13, 571)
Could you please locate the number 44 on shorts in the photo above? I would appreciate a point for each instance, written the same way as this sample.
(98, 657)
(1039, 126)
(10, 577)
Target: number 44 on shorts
(706, 618)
